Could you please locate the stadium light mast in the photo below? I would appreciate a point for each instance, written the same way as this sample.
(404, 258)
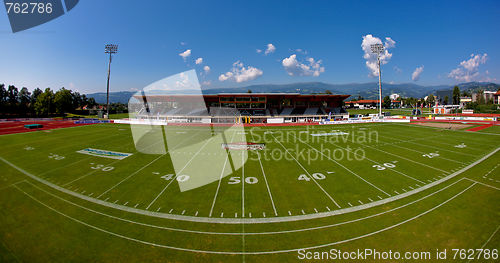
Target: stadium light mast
(378, 49)
(109, 49)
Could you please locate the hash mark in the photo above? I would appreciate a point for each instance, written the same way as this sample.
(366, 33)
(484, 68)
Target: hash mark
(170, 211)
(157, 210)
(196, 214)
(349, 204)
(328, 208)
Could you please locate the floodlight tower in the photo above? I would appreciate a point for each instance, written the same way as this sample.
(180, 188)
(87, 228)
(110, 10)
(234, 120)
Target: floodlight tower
(378, 49)
(109, 49)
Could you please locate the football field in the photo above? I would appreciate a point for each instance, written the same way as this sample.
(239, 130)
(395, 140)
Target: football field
(267, 194)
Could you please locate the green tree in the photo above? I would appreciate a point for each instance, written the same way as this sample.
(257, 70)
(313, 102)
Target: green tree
(387, 102)
(24, 101)
(480, 97)
(456, 95)
(249, 91)
(328, 92)
(45, 103)
(431, 99)
(12, 98)
(63, 101)
(3, 98)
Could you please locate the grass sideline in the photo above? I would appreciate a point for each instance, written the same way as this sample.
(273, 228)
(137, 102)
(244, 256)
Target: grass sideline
(459, 213)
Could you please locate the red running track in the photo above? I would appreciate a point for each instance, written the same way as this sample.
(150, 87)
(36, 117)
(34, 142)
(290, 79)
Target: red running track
(10, 127)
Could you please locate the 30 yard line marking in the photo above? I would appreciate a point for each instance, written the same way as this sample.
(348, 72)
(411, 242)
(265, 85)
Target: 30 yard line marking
(314, 180)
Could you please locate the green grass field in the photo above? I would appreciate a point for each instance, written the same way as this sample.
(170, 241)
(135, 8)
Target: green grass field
(399, 187)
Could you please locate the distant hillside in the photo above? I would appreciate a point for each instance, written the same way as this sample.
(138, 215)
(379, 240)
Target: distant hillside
(366, 90)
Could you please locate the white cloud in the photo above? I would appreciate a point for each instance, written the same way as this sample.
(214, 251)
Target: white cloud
(241, 74)
(416, 74)
(185, 54)
(468, 70)
(371, 59)
(270, 49)
(310, 67)
(206, 69)
(206, 83)
(199, 61)
(259, 50)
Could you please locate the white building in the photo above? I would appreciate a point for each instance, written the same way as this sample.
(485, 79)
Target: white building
(394, 96)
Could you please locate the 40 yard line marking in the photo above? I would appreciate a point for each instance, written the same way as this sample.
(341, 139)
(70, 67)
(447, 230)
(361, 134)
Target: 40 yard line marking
(326, 193)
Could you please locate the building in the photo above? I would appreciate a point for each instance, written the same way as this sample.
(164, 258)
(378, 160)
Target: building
(464, 101)
(487, 96)
(370, 104)
(496, 97)
(256, 107)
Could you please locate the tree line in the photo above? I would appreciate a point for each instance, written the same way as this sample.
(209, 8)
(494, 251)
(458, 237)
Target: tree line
(14, 102)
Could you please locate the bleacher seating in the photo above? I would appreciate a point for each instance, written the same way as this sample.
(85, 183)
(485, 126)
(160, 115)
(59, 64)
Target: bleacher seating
(286, 111)
(311, 111)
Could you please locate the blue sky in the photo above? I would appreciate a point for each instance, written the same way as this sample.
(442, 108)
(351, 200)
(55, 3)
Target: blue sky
(324, 36)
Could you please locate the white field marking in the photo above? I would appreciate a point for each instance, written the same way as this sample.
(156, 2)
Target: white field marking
(379, 197)
(289, 213)
(236, 214)
(488, 240)
(404, 190)
(170, 211)
(136, 205)
(488, 173)
(239, 253)
(303, 212)
(429, 181)
(328, 208)
(222, 214)
(399, 156)
(265, 180)
(349, 204)
(248, 233)
(370, 199)
(132, 174)
(429, 146)
(220, 180)
(91, 194)
(158, 209)
(83, 192)
(196, 214)
(396, 192)
(314, 180)
(183, 211)
(487, 185)
(375, 162)
(126, 203)
(360, 202)
(106, 199)
(247, 220)
(115, 202)
(345, 168)
(250, 214)
(243, 180)
(315, 210)
(264, 214)
(190, 160)
(7, 186)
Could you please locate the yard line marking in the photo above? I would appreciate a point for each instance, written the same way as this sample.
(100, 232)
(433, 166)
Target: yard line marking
(253, 220)
(126, 203)
(196, 214)
(396, 192)
(399, 156)
(132, 174)
(487, 185)
(136, 205)
(379, 197)
(410, 187)
(183, 211)
(315, 210)
(243, 180)
(289, 213)
(115, 202)
(106, 199)
(222, 214)
(370, 199)
(265, 180)
(264, 214)
(158, 209)
(314, 180)
(488, 173)
(403, 190)
(170, 211)
(360, 202)
(173, 179)
(236, 214)
(349, 204)
(303, 212)
(249, 214)
(83, 192)
(91, 194)
(328, 208)
(220, 180)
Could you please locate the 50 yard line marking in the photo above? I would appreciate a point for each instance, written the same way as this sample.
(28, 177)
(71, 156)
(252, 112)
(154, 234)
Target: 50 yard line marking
(314, 180)
(220, 179)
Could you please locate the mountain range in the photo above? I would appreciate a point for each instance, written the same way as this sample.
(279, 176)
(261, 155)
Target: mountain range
(365, 90)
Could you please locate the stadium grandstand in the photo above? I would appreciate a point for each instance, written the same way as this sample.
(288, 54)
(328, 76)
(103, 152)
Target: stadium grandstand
(244, 107)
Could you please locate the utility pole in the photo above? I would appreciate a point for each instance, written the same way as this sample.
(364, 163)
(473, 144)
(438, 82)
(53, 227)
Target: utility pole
(109, 49)
(378, 49)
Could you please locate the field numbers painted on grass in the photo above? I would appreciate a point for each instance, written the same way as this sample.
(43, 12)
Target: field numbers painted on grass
(56, 156)
(317, 176)
(462, 145)
(383, 166)
(180, 178)
(102, 167)
(431, 155)
(29, 148)
(248, 180)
